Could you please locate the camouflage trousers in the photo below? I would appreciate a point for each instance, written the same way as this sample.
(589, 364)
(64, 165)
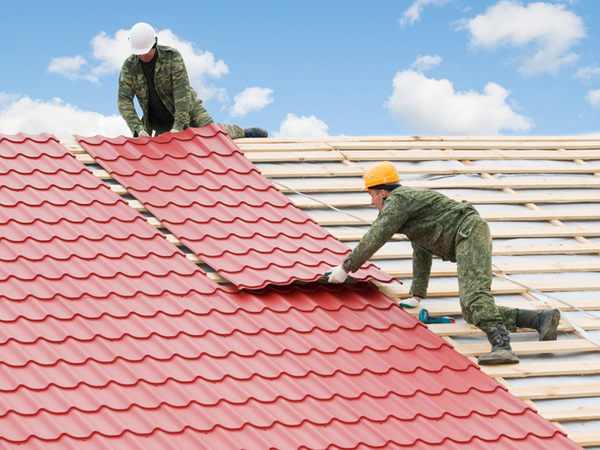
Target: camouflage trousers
(201, 119)
(474, 264)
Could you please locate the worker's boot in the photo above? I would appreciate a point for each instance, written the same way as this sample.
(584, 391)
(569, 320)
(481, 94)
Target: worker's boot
(255, 133)
(501, 352)
(545, 322)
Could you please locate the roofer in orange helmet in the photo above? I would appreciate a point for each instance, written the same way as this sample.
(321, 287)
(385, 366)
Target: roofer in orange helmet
(439, 226)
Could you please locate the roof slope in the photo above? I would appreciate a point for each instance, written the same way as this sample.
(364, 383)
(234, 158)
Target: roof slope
(111, 338)
(203, 189)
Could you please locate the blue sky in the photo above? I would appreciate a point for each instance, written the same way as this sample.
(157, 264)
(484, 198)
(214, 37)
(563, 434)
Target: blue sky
(303, 68)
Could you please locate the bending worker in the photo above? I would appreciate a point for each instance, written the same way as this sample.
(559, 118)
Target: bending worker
(437, 225)
(157, 76)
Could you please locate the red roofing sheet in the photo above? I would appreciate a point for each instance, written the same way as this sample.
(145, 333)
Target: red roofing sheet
(206, 192)
(111, 338)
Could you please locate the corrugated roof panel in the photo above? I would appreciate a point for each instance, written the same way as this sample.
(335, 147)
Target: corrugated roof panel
(108, 340)
(202, 188)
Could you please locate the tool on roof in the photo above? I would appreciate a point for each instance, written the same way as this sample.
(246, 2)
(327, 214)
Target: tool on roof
(424, 317)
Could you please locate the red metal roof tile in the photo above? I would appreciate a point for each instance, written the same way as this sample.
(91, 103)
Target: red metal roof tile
(110, 338)
(203, 189)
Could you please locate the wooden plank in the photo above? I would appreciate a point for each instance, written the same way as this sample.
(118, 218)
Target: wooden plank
(526, 215)
(308, 187)
(314, 171)
(269, 146)
(381, 153)
(556, 391)
(478, 143)
(467, 329)
(585, 438)
(508, 268)
(453, 308)
(500, 287)
(543, 369)
(281, 157)
(476, 199)
(345, 171)
(532, 348)
(571, 414)
(497, 233)
(388, 252)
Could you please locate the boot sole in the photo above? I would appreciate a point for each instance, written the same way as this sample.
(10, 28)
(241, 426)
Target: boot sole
(551, 332)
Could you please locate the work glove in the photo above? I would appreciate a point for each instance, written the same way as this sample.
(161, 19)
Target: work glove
(174, 130)
(143, 133)
(412, 302)
(336, 275)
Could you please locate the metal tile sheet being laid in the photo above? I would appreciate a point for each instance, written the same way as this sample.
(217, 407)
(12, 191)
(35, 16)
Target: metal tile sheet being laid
(204, 190)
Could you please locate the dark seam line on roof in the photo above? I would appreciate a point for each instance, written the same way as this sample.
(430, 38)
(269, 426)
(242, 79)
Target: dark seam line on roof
(212, 333)
(285, 353)
(212, 310)
(304, 422)
(265, 378)
(334, 397)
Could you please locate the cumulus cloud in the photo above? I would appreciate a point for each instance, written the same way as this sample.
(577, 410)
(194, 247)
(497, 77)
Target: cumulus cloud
(23, 114)
(543, 32)
(70, 67)
(593, 98)
(250, 100)
(294, 126)
(108, 54)
(427, 62)
(432, 106)
(587, 74)
(413, 13)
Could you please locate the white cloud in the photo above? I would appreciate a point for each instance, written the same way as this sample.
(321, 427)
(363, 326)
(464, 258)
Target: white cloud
(432, 106)
(587, 73)
(22, 114)
(427, 62)
(544, 32)
(250, 100)
(109, 53)
(68, 66)
(294, 126)
(593, 98)
(413, 13)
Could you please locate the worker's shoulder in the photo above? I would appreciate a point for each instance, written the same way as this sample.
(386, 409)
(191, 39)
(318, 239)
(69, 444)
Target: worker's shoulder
(166, 50)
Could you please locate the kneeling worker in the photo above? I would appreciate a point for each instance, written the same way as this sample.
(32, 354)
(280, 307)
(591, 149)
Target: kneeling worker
(157, 76)
(437, 225)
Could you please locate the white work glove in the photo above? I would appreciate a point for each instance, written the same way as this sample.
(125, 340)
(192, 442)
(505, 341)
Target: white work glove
(410, 302)
(143, 133)
(174, 130)
(336, 275)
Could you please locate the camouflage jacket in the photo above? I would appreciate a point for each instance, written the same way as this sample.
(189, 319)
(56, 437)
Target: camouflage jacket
(173, 88)
(433, 222)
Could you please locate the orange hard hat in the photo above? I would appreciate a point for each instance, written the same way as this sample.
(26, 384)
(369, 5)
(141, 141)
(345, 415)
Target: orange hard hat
(381, 173)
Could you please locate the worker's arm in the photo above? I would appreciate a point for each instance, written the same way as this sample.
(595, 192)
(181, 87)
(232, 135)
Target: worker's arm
(125, 101)
(389, 221)
(421, 262)
(181, 92)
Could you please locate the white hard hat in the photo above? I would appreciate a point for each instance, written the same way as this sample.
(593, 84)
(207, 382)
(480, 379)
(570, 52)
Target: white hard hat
(141, 38)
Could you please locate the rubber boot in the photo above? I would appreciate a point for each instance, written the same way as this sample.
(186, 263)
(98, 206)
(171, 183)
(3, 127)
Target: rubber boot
(255, 133)
(545, 322)
(501, 352)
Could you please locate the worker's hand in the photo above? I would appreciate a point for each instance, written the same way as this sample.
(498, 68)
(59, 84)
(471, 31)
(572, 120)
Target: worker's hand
(143, 133)
(336, 275)
(412, 302)
(174, 130)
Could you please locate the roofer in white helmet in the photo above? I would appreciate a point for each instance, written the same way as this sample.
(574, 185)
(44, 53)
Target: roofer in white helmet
(439, 226)
(157, 76)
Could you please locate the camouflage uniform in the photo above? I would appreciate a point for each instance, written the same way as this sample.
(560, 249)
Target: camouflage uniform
(437, 225)
(173, 88)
